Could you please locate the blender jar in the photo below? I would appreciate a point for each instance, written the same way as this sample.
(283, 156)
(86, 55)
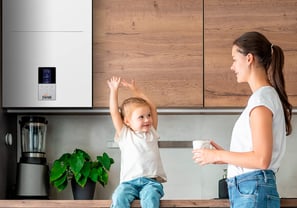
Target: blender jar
(33, 136)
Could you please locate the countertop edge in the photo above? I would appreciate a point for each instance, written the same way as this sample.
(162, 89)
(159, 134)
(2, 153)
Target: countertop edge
(285, 202)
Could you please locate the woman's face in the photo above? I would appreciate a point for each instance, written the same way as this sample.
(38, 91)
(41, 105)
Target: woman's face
(240, 65)
(140, 119)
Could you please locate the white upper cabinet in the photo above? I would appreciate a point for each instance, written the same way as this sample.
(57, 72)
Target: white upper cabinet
(47, 53)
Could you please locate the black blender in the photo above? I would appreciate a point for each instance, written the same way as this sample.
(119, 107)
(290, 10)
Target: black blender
(33, 171)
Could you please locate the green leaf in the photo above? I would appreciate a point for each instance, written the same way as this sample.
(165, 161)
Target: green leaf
(105, 160)
(77, 176)
(76, 163)
(103, 177)
(57, 170)
(94, 175)
(83, 153)
(65, 157)
(86, 169)
(61, 183)
(82, 181)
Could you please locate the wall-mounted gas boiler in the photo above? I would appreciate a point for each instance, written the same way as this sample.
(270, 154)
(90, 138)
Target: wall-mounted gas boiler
(47, 53)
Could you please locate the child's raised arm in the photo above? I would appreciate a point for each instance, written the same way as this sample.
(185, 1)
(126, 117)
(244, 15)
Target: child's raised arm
(113, 85)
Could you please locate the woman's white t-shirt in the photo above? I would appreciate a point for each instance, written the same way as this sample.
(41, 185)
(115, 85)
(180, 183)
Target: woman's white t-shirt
(241, 136)
(140, 155)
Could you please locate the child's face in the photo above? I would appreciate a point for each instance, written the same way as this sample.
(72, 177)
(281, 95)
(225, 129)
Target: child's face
(140, 119)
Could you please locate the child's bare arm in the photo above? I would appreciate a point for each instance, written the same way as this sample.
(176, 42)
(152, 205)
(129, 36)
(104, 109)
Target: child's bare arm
(113, 85)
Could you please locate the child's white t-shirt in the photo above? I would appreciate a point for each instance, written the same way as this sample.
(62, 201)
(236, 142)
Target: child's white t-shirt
(140, 155)
(241, 136)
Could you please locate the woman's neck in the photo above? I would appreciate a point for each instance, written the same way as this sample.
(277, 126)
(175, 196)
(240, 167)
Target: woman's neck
(258, 79)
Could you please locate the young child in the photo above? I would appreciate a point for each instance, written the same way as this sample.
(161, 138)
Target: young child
(141, 167)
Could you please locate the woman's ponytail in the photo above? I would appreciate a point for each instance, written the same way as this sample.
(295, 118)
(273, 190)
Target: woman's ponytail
(277, 80)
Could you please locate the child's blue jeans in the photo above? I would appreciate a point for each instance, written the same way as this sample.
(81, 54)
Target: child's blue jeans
(254, 189)
(147, 190)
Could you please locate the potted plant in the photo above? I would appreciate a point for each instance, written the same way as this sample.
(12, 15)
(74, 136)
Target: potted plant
(79, 168)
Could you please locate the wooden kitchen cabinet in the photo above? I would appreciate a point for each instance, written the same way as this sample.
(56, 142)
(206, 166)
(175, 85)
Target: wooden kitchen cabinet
(224, 21)
(157, 43)
(162, 45)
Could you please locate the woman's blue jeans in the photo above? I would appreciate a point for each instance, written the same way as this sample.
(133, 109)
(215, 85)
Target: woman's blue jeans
(255, 189)
(148, 191)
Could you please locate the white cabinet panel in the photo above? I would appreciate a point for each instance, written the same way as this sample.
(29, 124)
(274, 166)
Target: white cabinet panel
(50, 34)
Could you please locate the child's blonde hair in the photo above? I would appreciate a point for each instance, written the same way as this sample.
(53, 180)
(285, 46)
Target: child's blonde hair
(129, 104)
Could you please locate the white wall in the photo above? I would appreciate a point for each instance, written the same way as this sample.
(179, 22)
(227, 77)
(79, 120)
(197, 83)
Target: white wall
(186, 180)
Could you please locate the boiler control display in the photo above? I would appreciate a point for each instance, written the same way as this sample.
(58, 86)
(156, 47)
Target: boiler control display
(47, 83)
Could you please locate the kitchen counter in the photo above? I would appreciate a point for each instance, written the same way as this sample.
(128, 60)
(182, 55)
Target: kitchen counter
(285, 202)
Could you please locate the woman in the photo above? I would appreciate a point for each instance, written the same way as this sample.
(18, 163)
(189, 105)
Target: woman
(258, 138)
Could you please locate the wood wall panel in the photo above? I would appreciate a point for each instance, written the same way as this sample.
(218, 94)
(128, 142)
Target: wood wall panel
(158, 43)
(225, 20)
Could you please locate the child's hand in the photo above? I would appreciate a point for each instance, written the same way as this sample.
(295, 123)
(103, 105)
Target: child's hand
(131, 85)
(114, 83)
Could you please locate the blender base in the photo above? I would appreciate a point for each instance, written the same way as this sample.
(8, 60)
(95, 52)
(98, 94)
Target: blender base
(32, 181)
